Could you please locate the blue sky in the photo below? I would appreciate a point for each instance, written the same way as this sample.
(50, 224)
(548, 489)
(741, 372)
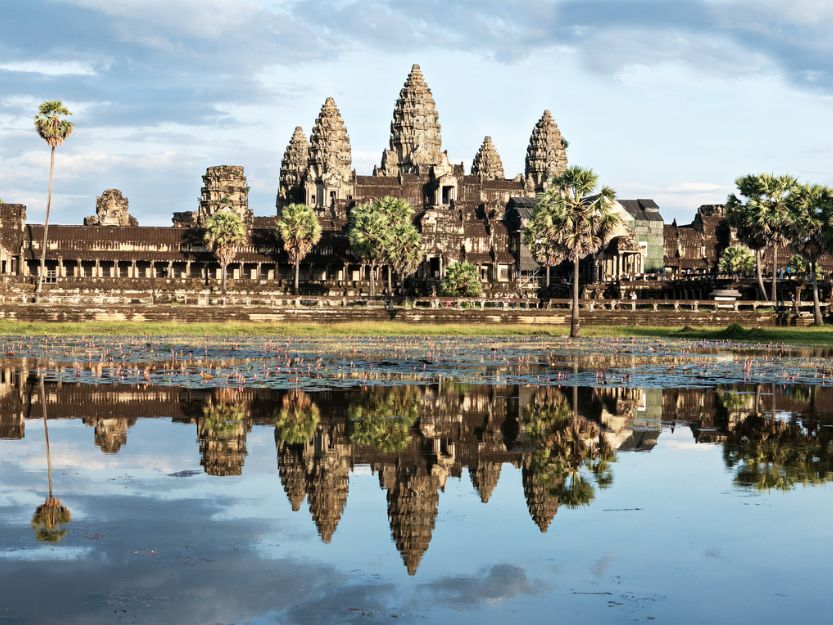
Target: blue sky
(670, 100)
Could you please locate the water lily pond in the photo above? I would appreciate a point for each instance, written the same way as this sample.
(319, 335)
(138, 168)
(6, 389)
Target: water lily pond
(414, 481)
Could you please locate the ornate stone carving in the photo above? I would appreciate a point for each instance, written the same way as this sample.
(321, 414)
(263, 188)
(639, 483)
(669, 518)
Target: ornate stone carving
(330, 162)
(224, 187)
(293, 167)
(327, 484)
(484, 477)
(546, 155)
(487, 161)
(415, 139)
(413, 499)
(111, 210)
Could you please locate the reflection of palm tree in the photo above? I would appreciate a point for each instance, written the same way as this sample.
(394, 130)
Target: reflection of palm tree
(565, 443)
(575, 491)
(384, 418)
(772, 454)
(49, 517)
(297, 418)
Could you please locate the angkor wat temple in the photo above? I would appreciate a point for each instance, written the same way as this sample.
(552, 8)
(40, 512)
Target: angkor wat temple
(475, 216)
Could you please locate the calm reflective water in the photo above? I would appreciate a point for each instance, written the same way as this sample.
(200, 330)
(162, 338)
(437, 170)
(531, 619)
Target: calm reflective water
(417, 503)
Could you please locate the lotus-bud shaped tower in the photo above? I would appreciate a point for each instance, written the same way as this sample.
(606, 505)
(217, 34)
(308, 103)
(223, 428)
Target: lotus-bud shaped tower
(546, 156)
(487, 163)
(330, 162)
(293, 167)
(415, 139)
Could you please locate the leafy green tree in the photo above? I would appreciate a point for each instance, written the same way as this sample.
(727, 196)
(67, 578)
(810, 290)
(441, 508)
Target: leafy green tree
(404, 251)
(582, 220)
(382, 233)
(763, 217)
(811, 232)
(402, 246)
(462, 279)
(224, 233)
(52, 126)
(536, 236)
(736, 260)
(299, 230)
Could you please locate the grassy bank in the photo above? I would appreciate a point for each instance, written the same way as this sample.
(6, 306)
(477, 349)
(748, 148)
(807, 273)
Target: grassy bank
(795, 336)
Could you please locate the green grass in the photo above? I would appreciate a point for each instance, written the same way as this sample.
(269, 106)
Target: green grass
(791, 335)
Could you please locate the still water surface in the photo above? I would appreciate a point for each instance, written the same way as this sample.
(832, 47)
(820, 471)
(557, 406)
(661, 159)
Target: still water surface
(415, 503)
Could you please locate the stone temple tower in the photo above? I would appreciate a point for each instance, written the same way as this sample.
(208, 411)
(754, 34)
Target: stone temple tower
(224, 188)
(329, 175)
(415, 139)
(546, 155)
(487, 163)
(293, 167)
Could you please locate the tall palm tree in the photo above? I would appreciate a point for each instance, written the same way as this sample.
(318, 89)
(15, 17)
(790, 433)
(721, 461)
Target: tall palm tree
(581, 221)
(299, 230)
(224, 233)
(811, 231)
(52, 127)
(763, 219)
(367, 233)
(741, 215)
(50, 516)
(403, 251)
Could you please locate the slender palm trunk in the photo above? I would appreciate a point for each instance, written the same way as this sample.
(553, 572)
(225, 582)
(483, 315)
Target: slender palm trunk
(46, 223)
(760, 273)
(548, 276)
(390, 281)
(297, 277)
(817, 318)
(775, 276)
(757, 399)
(224, 270)
(372, 281)
(575, 396)
(574, 321)
(46, 434)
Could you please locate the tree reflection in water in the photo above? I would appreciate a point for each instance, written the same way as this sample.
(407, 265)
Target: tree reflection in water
(771, 454)
(222, 433)
(384, 418)
(564, 444)
(52, 515)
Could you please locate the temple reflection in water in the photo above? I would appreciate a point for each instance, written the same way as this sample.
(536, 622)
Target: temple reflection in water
(563, 440)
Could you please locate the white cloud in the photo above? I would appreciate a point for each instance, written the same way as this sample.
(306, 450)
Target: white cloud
(51, 68)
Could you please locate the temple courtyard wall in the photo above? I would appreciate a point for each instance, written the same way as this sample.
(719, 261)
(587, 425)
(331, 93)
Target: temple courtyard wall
(187, 305)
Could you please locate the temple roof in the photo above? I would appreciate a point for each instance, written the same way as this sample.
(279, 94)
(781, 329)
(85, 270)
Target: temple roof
(642, 210)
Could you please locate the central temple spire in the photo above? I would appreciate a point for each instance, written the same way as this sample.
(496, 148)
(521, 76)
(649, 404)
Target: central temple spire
(415, 139)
